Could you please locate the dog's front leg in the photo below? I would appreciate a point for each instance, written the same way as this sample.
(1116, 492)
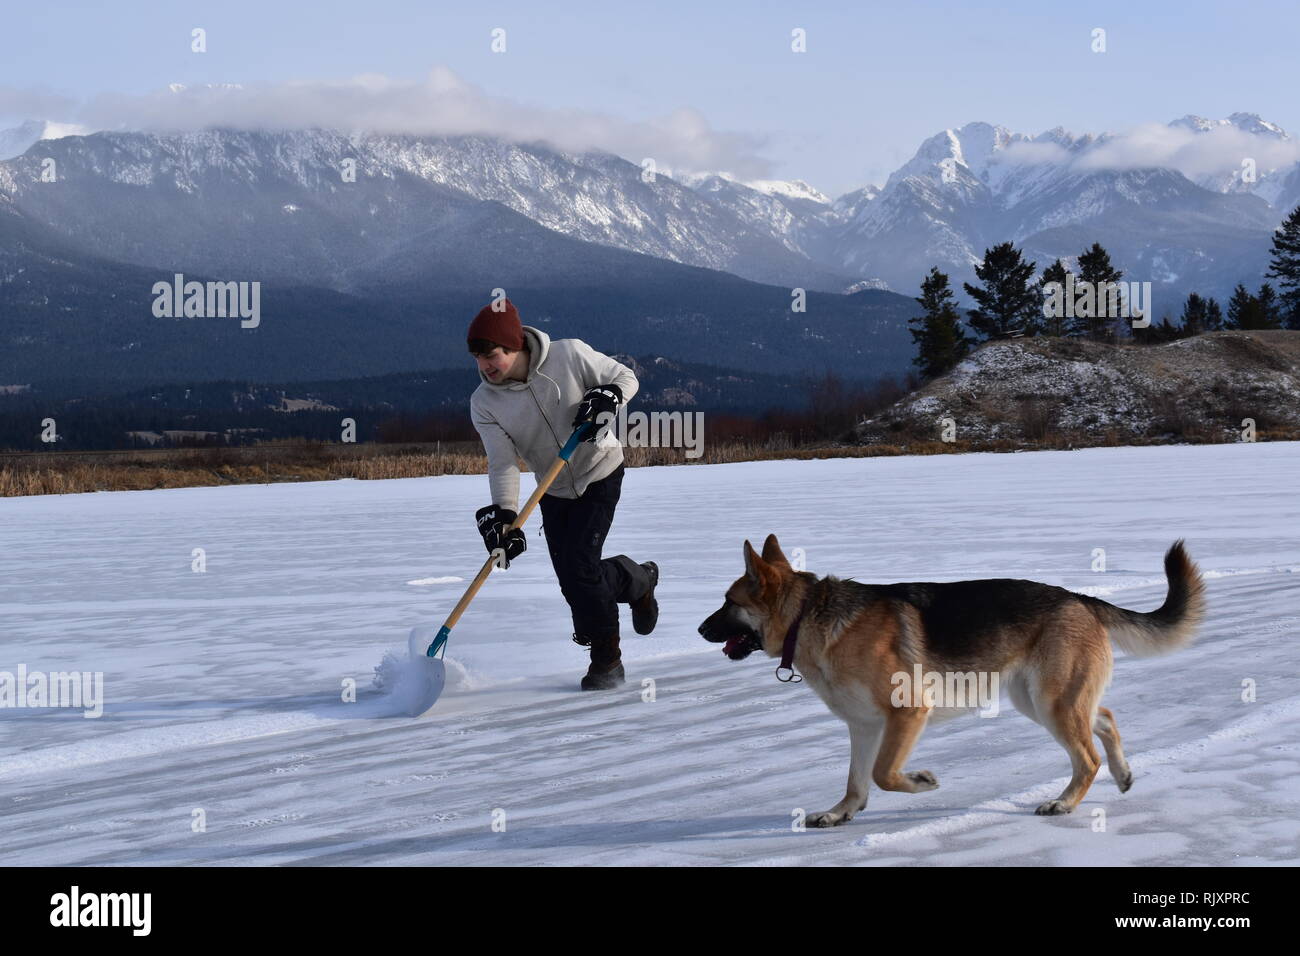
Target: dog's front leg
(864, 739)
(903, 727)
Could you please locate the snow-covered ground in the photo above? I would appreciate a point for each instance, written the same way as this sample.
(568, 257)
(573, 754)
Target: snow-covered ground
(223, 688)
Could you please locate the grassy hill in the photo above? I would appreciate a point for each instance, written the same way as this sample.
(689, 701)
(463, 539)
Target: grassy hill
(1053, 391)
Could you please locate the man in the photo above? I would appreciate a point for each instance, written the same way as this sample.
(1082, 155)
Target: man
(533, 393)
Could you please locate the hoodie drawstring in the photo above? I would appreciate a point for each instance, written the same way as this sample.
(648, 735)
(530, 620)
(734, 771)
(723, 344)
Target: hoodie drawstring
(558, 395)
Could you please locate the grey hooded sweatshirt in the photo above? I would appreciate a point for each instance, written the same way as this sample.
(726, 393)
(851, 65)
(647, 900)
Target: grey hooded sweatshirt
(533, 419)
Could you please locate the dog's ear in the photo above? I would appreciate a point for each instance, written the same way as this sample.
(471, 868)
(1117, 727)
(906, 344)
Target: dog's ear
(772, 553)
(754, 565)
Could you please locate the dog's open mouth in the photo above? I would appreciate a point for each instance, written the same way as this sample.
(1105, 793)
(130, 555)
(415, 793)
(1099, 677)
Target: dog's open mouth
(742, 645)
(737, 638)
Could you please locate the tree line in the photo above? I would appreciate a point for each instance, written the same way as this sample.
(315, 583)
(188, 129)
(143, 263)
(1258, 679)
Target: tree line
(1009, 302)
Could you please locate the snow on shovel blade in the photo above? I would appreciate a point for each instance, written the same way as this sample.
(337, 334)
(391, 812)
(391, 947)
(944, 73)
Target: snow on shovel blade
(428, 674)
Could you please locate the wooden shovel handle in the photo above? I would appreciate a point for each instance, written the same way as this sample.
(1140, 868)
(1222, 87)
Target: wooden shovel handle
(542, 486)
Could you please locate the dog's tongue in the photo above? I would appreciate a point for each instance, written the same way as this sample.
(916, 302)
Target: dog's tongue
(732, 644)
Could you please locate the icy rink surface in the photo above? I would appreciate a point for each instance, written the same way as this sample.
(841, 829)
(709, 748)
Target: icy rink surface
(223, 689)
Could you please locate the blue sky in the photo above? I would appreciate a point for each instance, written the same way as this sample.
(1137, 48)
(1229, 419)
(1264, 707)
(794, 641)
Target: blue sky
(876, 80)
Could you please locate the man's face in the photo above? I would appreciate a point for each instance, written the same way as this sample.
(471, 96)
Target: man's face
(495, 365)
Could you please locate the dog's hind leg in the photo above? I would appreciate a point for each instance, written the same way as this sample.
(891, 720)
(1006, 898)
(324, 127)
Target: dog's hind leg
(1103, 725)
(903, 727)
(864, 740)
(1072, 726)
(1074, 732)
(1067, 706)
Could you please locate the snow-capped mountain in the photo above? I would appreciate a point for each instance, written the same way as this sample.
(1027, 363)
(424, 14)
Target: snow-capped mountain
(794, 213)
(969, 188)
(1261, 180)
(299, 217)
(1172, 202)
(787, 188)
(848, 206)
(368, 277)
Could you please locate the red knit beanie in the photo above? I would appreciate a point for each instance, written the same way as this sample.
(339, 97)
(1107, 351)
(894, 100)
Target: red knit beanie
(501, 326)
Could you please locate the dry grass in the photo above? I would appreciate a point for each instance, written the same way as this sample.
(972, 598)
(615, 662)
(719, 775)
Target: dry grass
(1037, 417)
(412, 466)
(54, 473)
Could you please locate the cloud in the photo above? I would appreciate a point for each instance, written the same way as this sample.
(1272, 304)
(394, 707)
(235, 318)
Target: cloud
(1194, 154)
(1214, 153)
(35, 104)
(441, 104)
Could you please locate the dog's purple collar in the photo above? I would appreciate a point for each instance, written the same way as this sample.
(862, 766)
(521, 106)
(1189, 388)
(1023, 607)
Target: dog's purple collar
(787, 649)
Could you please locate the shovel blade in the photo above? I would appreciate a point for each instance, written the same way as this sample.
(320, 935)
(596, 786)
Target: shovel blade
(428, 674)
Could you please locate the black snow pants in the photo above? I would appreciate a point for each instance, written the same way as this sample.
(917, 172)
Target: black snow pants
(575, 530)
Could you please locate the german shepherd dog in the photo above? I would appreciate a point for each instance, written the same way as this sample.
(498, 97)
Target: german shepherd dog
(858, 644)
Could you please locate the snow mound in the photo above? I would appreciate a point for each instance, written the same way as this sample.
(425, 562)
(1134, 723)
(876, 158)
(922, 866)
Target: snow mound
(401, 679)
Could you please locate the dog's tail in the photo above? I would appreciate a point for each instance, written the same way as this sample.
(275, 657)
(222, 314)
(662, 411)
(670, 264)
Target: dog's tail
(1170, 626)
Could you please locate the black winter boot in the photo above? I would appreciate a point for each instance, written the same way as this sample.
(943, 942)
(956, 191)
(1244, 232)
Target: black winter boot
(606, 670)
(645, 609)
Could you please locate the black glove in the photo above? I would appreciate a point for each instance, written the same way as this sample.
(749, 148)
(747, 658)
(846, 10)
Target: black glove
(494, 525)
(597, 401)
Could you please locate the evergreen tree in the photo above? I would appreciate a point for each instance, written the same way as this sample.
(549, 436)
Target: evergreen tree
(1157, 333)
(940, 340)
(1096, 271)
(1242, 309)
(1269, 311)
(1009, 300)
(1193, 315)
(1052, 324)
(1284, 265)
(1213, 315)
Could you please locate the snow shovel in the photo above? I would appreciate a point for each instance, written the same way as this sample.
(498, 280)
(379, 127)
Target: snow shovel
(426, 654)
